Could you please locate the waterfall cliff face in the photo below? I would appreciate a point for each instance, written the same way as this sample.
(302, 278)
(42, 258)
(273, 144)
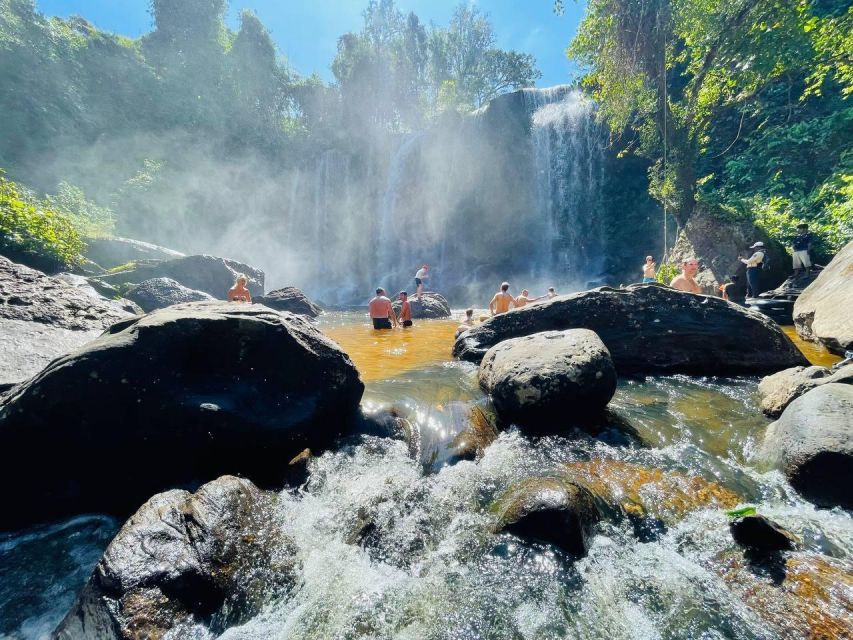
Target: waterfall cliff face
(511, 192)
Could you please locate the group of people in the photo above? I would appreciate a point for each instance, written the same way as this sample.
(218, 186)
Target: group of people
(381, 309)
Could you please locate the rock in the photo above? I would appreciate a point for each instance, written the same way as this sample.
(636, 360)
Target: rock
(812, 442)
(108, 295)
(158, 293)
(651, 329)
(212, 558)
(431, 306)
(188, 393)
(717, 241)
(548, 510)
(289, 299)
(780, 389)
(822, 312)
(761, 534)
(42, 317)
(113, 252)
(794, 285)
(210, 274)
(536, 378)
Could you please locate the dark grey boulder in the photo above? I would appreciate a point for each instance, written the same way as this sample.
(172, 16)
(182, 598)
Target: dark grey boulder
(43, 317)
(432, 306)
(548, 510)
(159, 293)
(210, 274)
(113, 252)
(553, 374)
(780, 389)
(178, 396)
(651, 329)
(210, 559)
(761, 534)
(289, 299)
(812, 442)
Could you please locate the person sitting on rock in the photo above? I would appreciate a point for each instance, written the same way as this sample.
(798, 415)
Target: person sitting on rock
(467, 323)
(405, 309)
(686, 281)
(802, 244)
(420, 276)
(525, 299)
(239, 292)
(551, 293)
(754, 265)
(380, 310)
(649, 270)
(501, 301)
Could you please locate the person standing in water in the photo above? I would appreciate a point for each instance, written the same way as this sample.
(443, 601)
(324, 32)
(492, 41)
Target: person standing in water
(649, 270)
(686, 281)
(420, 276)
(239, 292)
(525, 299)
(381, 311)
(405, 310)
(501, 301)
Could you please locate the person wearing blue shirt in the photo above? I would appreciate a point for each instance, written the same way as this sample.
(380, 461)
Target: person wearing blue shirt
(802, 244)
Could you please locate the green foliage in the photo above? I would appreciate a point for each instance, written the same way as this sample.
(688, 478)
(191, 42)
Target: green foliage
(28, 226)
(740, 513)
(666, 272)
(89, 219)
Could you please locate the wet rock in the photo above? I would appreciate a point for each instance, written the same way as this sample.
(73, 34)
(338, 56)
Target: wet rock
(651, 329)
(761, 534)
(159, 293)
(780, 389)
(212, 558)
(548, 510)
(535, 378)
(812, 442)
(186, 393)
(289, 299)
(43, 317)
(822, 312)
(113, 252)
(209, 274)
(106, 294)
(431, 306)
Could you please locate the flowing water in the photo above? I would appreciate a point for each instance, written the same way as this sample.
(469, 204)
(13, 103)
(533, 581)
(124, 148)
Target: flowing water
(429, 566)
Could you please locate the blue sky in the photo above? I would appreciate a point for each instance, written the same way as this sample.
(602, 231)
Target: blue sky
(306, 31)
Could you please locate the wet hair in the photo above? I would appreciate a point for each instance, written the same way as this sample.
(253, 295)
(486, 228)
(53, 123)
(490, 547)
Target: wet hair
(379, 290)
(504, 286)
(469, 312)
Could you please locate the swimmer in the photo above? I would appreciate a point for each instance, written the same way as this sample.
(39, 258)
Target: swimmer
(467, 323)
(405, 309)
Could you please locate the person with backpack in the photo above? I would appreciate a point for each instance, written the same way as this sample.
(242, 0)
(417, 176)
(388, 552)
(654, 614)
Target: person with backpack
(754, 265)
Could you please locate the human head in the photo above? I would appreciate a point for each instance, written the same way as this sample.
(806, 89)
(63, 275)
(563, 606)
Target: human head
(690, 266)
(551, 290)
(380, 291)
(425, 266)
(241, 280)
(735, 278)
(469, 313)
(505, 287)
(802, 227)
(649, 259)
(403, 295)
(525, 292)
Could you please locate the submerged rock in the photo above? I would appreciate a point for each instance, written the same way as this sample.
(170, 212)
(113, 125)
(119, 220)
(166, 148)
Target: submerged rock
(431, 306)
(212, 559)
(289, 299)
(780, 389)
(761, 534)
(43, 317)
(159, 293)
(651, 329)
(533, 379)
(548, 510)
(822, 312)
(209, 274)
(181, 395)
(812, 442)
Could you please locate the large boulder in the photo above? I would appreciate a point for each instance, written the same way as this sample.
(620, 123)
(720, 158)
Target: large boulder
(780, 389)
(718, 242)
(204, 273)
(431, 306)
(289, 299)
(43, 317)
(535, 378)
(159, 293)
(113, 252)
(181, 395)
(822, 312)
(210, 559)
(812, 442)
(651, 329)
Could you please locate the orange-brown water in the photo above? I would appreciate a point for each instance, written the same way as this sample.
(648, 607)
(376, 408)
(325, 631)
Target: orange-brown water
(814, 352)
(386, 354)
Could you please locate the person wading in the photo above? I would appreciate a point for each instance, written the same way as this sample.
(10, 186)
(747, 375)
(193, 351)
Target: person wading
(381, 311)
(405, 309)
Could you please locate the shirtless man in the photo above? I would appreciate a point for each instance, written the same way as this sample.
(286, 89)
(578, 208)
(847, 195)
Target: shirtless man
(525, 299)
(405, 309)
(239, 292)
(501, 301)
(420, 276)
(649, 273)
(686, 282)
(381, 311)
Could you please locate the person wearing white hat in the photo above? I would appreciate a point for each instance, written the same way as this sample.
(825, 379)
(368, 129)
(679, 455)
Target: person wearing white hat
(754, 264)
